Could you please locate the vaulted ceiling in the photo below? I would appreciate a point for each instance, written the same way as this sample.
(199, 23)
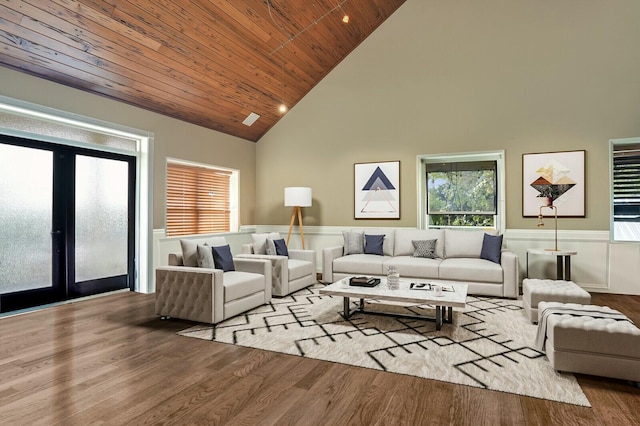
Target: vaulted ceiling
(208, 62)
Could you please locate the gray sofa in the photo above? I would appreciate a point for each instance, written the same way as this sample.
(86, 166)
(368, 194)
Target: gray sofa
(457, 258)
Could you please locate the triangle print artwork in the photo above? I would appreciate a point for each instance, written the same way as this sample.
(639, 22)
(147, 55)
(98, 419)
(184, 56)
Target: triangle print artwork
(378, 194)
(377, 190)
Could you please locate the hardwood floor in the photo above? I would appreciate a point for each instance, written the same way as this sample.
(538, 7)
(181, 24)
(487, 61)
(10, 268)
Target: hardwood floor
(110, 361)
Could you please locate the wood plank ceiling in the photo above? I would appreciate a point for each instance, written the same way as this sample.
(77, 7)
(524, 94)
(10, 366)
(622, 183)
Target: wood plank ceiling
(208, 62)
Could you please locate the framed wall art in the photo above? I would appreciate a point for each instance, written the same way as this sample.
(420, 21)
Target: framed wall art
(554, 178)
(377, 190)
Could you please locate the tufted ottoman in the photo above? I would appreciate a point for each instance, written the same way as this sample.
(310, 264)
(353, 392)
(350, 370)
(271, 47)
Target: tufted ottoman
(535, 291)
(598, 346)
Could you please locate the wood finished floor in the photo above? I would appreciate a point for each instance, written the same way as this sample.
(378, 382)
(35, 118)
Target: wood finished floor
(110, 361)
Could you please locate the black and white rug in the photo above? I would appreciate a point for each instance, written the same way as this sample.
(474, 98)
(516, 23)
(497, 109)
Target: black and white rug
(490, 345)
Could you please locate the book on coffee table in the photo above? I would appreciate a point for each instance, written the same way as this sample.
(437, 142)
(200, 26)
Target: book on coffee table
(364, 281)
(430, 286)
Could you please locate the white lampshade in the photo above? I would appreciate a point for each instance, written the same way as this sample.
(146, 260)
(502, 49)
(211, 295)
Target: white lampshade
(297, 196)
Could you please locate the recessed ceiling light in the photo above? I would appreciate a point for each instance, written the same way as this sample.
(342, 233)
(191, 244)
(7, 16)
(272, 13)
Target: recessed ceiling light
(282, 108)
(345, 19)
(251, 118)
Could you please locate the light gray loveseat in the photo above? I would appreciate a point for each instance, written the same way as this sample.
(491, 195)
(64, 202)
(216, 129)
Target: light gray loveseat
(457, 255)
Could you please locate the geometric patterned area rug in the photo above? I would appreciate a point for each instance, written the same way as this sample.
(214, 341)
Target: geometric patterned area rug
(490, 344)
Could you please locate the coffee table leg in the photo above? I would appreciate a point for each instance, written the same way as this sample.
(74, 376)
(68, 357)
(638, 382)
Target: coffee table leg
(450, 315)
(439, 310)
(346, 313)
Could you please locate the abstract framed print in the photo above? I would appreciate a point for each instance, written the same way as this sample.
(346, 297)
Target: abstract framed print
(554, 178)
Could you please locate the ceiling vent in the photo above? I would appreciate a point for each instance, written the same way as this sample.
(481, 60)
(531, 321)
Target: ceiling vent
(251, 118)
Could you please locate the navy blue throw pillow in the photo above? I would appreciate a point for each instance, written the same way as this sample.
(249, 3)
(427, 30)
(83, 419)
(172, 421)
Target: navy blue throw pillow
(223, 259)
(373, 244)
(491, 248)
(281, 248)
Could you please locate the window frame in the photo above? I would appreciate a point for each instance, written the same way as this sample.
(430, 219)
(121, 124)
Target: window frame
(234, 177)
(497, 156)
(615, 145)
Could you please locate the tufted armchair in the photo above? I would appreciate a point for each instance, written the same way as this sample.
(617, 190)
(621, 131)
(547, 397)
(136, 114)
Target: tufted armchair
(211, 295)
(289, 273)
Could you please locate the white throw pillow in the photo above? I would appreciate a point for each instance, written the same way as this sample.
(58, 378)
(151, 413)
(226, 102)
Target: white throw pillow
(189, 252)
(271, 247)
(205, 257)
(353, 242)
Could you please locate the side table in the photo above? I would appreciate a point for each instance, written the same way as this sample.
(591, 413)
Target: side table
(563, 261)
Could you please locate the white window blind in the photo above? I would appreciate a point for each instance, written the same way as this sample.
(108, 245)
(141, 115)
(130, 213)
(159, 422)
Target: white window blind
(626, 183)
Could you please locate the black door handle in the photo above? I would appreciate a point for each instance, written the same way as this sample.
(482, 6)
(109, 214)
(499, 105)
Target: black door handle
(57, 235)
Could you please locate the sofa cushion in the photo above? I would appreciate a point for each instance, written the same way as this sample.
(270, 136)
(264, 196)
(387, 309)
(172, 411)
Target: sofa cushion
(222, 258)
(425, 248)
(389, 236)
(238, 284)
(491, 248)
(189, 252)
(260, 241)
(468, 269)
(205, 257)
(373, 244)
(467, 243)
(356, 264)
(404, 238)
(270, 247)
(299, 268)
(353, 242)
(415, 267)
(281, 247)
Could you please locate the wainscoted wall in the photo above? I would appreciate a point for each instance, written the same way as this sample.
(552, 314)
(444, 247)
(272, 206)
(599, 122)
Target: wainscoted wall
(589, 267)
(599, 266)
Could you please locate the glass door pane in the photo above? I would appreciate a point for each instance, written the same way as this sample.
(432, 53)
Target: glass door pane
(101, 218)
(26, 203)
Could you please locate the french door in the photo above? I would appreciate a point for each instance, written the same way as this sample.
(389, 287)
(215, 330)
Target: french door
(67, 222)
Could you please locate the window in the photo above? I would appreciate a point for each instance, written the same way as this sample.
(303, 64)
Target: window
(462, 190)
(625, 189)
(200, 199)
(461, 193)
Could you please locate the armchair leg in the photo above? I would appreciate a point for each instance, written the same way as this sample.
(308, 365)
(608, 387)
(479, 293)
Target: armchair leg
(213, 332)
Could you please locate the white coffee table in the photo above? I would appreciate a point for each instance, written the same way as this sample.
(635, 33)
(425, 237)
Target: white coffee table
(443, 304)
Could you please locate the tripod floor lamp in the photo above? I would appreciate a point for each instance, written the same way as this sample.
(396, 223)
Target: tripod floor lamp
(297, 197)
